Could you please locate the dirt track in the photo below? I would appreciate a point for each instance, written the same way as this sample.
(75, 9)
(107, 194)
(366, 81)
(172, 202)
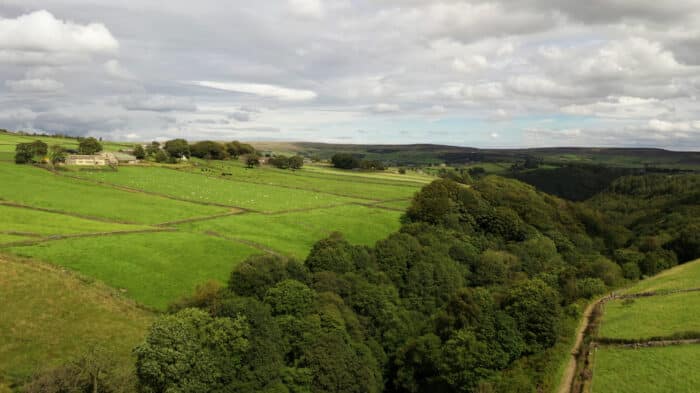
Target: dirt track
(570, 371)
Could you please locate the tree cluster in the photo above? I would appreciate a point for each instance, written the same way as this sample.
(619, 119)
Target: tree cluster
(29, 153)
(350, 161)
(284, 162)
(468, 296)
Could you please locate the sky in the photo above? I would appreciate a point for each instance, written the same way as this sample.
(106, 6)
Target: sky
(501, 73)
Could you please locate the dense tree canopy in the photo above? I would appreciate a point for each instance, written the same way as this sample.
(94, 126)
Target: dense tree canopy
(177, 148)
(89, 146)
(468, 296)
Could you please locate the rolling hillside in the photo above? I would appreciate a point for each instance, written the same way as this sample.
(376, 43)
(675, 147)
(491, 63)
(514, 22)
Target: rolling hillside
(157, 231)
(648, 336)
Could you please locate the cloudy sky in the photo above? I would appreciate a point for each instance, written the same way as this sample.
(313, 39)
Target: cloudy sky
(502, 73)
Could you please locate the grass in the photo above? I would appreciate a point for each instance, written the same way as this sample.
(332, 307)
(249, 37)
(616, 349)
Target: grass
(7, 238)
(50, 316)
(43, 223)
(36, 187)
(656, 316)
(294, 233)
(154, 269)
(680, 277)
(8, 142)
(648, 370)
(200, 188)
(401, 205)
(364, 185)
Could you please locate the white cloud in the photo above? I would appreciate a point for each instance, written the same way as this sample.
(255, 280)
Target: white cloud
(307, 8)
(540, 86)
(263, 90)
(114, 69)
(470, 64)
(671, 126)
(622, 107)
(40, 31)
(385, 108)
(34, 85)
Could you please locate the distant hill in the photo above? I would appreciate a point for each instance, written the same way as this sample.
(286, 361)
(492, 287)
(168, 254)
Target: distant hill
(421, 154)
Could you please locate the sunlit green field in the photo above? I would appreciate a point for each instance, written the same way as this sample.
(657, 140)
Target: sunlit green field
(658, 369)
(670, 369)
(50, 317)
(196, 187)
(294, 233)
(680, 277)
(200, 223)
(39, 188)
(153, 268)
(657, 316)
(33, 222)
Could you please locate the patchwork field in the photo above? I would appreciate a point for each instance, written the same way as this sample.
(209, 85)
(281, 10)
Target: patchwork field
(294, 233)
(656, 316)
(647, 370)
(51, 316)
(36, 187)
(154, 233)
(662, 362)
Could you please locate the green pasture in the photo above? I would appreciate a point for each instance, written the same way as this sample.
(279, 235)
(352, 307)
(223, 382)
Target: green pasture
(669, 369)
(154, 269)
(50, 317)
(400, 205)
(196, 187)
(364, 187)
(39, 188)
(683, 276)
(23, 220)
(656, 316)
(295, 233)
(9, 238)
(9, 141)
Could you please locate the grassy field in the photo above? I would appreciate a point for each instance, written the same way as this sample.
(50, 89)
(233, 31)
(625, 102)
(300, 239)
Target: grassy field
(647, 370)
(153, 269)
(680, 277)
(50, 316)
(657, 369)
(657, 316)
(200, 223)
(39, 188)
(33, 222)
(294, 233)
(196, 187)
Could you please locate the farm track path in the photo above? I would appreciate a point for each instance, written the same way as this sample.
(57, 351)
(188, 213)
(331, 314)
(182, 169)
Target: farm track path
(52, 238)
(233, 212)
(65, 213)
(243, 241)
(567, 381)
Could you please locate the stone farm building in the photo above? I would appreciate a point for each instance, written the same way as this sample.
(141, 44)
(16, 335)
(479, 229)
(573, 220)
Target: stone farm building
(100, 159)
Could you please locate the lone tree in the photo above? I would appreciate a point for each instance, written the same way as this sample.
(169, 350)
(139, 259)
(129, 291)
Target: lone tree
(177, 148)
(139, 152)
(153, 148)
(57, 155)
(345, 161)
(28, 153)
(89, 146)
(252, 161)
(296, 162)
